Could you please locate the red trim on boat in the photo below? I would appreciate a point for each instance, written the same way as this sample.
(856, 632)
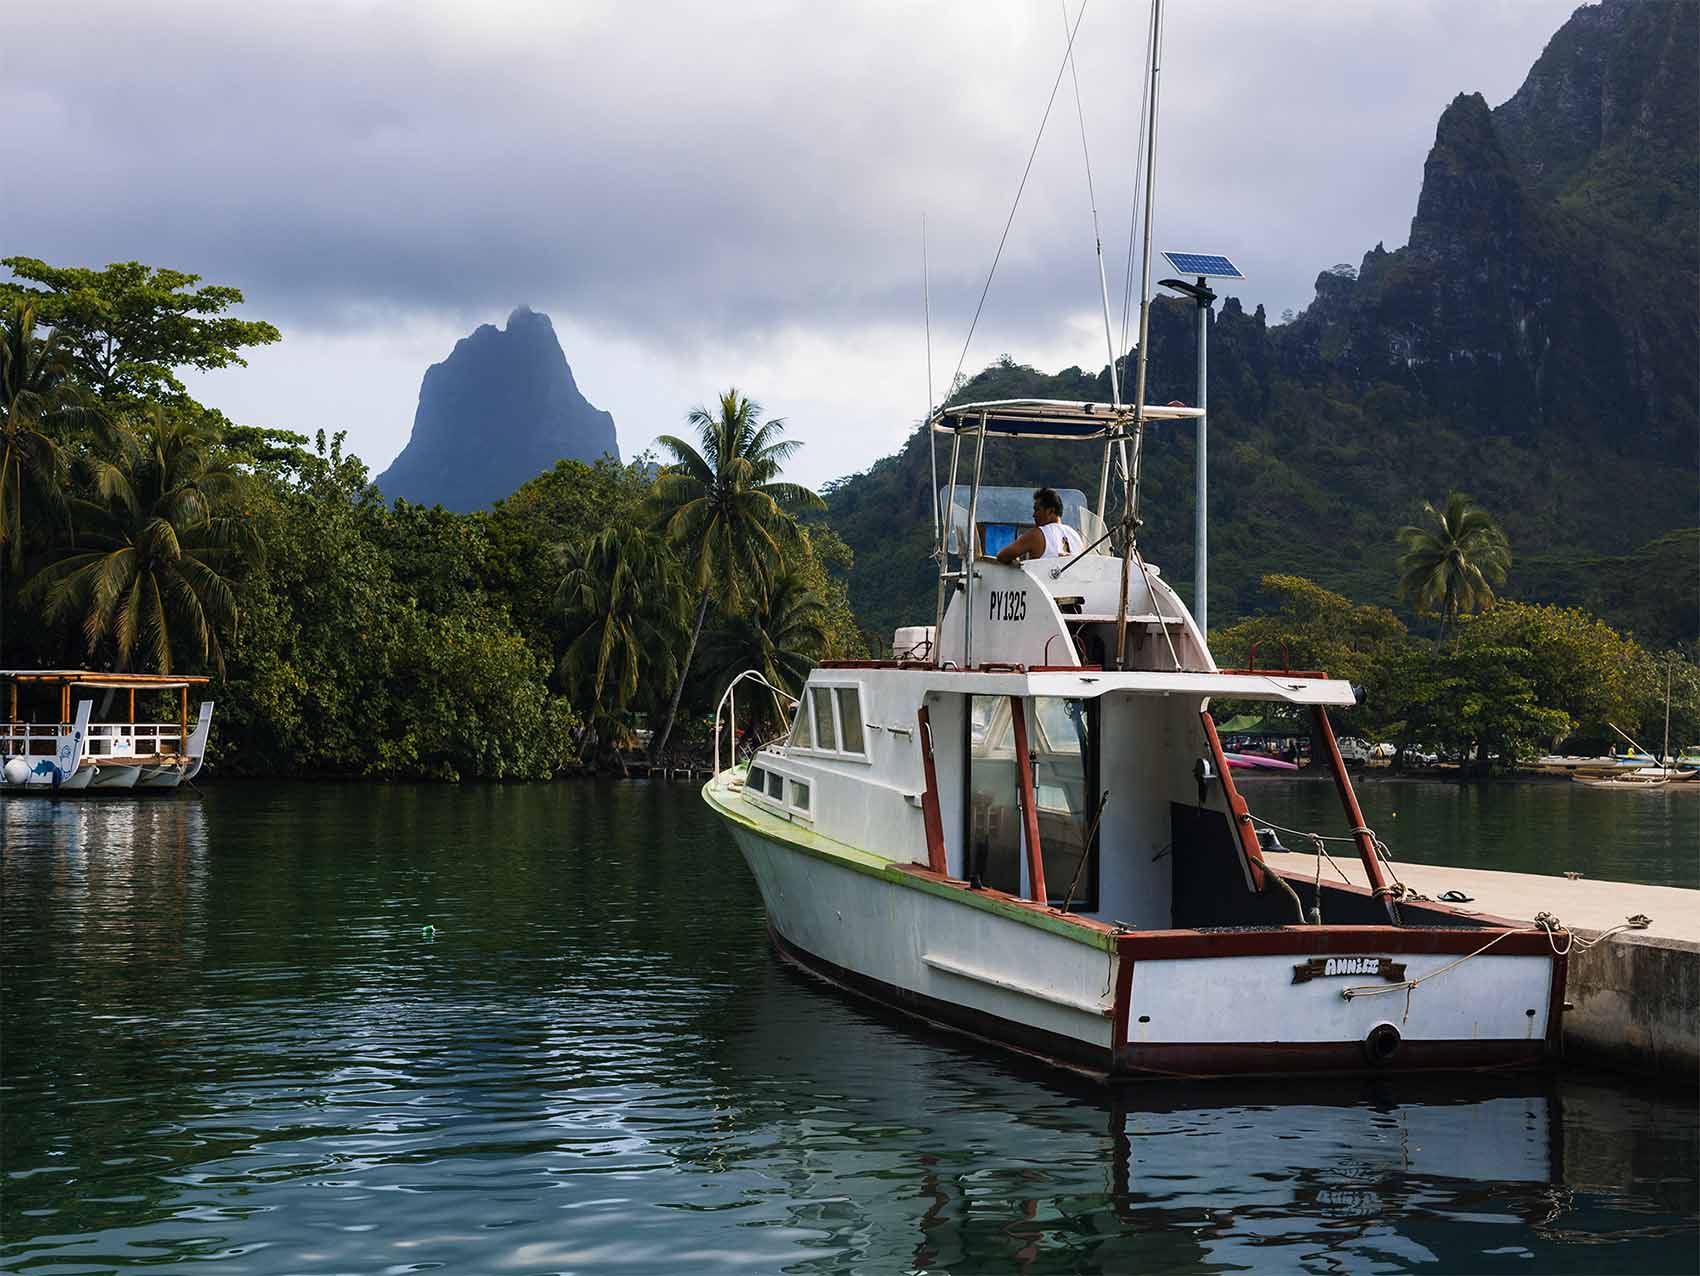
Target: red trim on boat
(1237, 809)
(1029, 805)
(1349, 799)
(930, 816)
(1155, 945)
(1277, 673)
(1124, 997)
(1555, 1004)
(1214, 1059)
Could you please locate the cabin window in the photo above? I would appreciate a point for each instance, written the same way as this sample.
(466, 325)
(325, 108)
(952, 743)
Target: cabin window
(757, 781)
(994, 818)
(801, 736)
(825, 736)
(850, 719)
(799, 795)
(1066, 793)
(776, 786)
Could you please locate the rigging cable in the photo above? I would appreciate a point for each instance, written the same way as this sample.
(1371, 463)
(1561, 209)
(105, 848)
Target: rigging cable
(1138, 187)
(927, 420)
(1097, 234)
(998, 256)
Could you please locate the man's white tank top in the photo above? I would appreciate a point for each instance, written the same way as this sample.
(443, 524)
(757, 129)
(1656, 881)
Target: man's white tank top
(1060, 540)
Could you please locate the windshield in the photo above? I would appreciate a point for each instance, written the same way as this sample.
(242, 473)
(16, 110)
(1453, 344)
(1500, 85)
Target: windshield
(1011, 508)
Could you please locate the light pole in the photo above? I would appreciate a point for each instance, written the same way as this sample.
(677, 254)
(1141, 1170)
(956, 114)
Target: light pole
(1202, 266)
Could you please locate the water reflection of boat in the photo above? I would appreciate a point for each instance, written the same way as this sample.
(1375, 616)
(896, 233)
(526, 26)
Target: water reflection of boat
(985, 1165)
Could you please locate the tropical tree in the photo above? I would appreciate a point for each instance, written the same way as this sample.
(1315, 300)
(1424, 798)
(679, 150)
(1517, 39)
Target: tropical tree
(38, 400)
(152, 580)
(127, 327)
(624, 607)
(1453, 561)
(727, 514)
(781, 637)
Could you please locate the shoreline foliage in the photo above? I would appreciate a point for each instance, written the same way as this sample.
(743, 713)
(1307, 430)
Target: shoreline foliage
(348, 636)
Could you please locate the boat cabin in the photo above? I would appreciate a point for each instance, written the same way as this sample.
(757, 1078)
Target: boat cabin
(1032, 741)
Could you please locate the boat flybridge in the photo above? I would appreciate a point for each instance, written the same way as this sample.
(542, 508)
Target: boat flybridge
(1025, 826)
(48, 745)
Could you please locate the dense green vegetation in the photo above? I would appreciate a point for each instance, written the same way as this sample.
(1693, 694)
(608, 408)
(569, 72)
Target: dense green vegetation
(142, 531)
(1511, 682)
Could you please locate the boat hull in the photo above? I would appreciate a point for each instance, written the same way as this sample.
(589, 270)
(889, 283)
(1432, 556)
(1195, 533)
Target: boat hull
(113, 777)
(1132, 1005)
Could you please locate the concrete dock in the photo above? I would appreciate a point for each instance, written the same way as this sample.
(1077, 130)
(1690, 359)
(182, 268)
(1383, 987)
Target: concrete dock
(1635, 997)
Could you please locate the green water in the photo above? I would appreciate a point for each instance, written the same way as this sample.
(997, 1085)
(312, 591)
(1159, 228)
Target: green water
(227, 1042)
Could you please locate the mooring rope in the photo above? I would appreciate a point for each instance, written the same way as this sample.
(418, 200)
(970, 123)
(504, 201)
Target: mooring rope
(1545, 923)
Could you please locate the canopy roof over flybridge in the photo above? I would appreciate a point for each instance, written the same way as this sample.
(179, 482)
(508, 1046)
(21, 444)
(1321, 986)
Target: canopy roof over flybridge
(1048, 418)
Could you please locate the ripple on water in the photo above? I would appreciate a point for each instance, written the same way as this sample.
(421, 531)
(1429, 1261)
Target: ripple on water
(242, 1050)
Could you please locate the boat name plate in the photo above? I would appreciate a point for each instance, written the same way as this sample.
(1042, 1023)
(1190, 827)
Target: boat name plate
(1333, 967)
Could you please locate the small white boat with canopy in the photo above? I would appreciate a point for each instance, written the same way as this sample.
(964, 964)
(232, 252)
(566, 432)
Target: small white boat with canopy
(1028, 829)
(50, 745)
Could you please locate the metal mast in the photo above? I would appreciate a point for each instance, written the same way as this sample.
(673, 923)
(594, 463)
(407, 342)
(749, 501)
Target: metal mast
(1130, 497)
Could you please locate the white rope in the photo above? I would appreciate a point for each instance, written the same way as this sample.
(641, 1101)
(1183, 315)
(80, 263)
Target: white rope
(1409, 986)
(1550, 924)
(1545, 923)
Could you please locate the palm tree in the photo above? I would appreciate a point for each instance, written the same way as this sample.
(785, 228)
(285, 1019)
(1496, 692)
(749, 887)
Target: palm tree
(726, 513)
(1451, 565)
(38, 399)
(781, 637)
(153, 580)
(624, 609)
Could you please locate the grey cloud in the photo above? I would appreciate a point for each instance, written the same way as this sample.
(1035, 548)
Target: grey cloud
(678, 173)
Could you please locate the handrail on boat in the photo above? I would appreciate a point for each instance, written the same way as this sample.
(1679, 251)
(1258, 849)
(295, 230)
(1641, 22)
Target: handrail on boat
(729, 705)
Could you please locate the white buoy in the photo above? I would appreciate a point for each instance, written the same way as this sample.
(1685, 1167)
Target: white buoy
(17, 771)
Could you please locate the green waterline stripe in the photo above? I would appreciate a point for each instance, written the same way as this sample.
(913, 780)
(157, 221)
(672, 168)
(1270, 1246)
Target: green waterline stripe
(806, 841)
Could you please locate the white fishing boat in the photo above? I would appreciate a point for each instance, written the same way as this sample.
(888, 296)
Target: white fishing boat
(50, 745)
(1034, 834)
(1030, 831)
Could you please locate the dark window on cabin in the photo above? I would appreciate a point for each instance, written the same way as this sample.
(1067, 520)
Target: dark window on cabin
(993, 813)
(776, 786)
(850, 719)
(799, 795)
(825, 736)
(758, 778)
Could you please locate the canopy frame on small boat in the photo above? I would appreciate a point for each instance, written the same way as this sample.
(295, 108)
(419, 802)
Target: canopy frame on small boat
(103, 680)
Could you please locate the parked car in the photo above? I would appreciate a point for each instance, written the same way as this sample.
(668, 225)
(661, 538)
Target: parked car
(1353, 749)
(1382, 750)
(1421, 755)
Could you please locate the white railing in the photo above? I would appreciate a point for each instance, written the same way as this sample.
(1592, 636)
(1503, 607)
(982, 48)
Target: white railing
(105, 739)
(31, 739)
(729, 707)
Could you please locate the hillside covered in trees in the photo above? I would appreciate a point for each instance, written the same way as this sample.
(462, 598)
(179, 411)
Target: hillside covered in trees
(1536, 344)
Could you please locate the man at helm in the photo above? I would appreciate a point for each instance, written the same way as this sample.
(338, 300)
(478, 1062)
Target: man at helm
(1049, 537)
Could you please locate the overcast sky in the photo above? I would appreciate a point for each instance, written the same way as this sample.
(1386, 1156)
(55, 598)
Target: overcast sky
(705, 195)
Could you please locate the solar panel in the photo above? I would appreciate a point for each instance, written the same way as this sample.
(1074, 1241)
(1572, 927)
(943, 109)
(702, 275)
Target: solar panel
(1210, 265)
